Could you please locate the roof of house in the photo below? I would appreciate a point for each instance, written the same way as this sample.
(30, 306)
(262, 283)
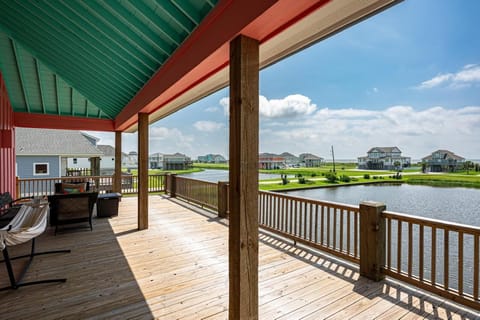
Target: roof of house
(29, 142)
(446, 155)
(384, 149)
(106, 149)
(288, 154)
(309, 156)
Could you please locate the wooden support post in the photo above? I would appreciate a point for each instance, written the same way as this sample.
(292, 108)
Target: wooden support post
(372, 240)
(117, 181)
(222, 199)
(243, 198)
(172, 184)
(142, 171)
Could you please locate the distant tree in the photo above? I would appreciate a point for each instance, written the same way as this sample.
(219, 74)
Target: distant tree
(397, 165)
(468, 165)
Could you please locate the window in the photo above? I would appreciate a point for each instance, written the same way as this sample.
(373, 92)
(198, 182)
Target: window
(40, 169)
(74, 160)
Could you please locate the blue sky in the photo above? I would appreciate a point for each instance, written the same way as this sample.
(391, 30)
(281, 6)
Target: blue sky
(407, 77)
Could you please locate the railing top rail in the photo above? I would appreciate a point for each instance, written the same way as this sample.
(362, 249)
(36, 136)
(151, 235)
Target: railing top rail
(82, 177)
(314, 201)
(196, 180)
(453, 226)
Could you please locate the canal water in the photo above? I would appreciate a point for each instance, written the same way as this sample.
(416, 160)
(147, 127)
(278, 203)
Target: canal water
(460, 205)
(222, 175)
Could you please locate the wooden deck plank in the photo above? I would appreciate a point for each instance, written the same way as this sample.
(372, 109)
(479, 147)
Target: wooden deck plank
(178, 269)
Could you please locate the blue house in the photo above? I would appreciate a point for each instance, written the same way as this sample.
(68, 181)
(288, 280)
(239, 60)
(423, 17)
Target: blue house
(43, 153)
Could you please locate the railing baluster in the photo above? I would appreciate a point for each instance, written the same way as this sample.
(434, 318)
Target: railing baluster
(341, 229)
(446, 259)
(460, 263)
(434, 256)
(290, 226)
(316, 223)
(420, 251)
(399, 246)
(476, 265)
(410, 248)
(389, 243)
(322, 225)
(349, 216)
(355, 234)
(328, 226)
(310, 235)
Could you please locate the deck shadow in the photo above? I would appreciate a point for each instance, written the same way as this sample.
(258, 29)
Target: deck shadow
(100, 283)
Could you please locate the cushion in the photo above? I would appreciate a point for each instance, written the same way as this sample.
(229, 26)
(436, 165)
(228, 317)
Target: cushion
(73, 187)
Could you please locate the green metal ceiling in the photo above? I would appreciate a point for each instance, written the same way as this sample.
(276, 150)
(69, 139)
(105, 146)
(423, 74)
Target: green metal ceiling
(88, 58)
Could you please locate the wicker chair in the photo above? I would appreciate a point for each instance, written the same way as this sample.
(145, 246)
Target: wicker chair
(74, 208)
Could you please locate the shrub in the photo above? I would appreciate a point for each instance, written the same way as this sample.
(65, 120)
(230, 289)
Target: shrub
(374, 177)
(302, 180)
(313, 174)
(344, 178)
(331, 177)
(284, 179)
(366, 176)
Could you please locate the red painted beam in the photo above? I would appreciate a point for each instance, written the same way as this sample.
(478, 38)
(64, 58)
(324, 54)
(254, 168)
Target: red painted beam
(32, 120)
(206, 50)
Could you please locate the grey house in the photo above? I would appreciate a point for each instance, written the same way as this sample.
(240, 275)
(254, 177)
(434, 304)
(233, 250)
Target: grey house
(43, 153)
(443, 161)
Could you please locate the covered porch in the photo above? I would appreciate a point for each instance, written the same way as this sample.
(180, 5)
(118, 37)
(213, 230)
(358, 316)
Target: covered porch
(177, 269)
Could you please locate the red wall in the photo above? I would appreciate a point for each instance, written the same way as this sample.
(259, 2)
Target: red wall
(7, 143)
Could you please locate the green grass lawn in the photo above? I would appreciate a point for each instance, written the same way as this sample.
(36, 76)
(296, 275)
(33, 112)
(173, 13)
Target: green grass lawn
(445, 180)
(294, 184)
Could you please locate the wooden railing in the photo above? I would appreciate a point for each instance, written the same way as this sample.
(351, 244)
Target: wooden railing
(102, 184)
(329, 226)
(438, 256)
(200, 192)
(441, 257)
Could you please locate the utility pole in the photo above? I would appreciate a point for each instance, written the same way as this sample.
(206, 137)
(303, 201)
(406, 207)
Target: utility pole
(333, 157)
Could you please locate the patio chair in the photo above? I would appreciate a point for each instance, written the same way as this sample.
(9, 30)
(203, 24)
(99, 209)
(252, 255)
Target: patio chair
(29, 223)
(73, 208)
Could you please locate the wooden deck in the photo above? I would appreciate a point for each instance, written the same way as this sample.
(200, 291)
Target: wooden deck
(177, 269)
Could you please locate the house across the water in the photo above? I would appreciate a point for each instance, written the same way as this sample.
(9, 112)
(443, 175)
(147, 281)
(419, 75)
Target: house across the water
(384, 158)
(443, 161)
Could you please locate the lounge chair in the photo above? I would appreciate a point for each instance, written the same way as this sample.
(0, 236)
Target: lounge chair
(28, 223)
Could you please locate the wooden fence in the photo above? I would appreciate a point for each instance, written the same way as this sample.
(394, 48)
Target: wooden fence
(438, 256)
(102, 184)
(329, 226)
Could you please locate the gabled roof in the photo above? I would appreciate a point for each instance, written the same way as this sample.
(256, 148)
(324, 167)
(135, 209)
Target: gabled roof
(88, 58)
(29, 142)
(106, 149)
(446, 154)
(384, 149)
(309, 156)
(104, 62)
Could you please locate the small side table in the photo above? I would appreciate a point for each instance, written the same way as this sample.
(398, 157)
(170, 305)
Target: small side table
(107, 204)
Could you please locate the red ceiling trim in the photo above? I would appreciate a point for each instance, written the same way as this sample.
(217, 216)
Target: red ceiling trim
(206, 51)
(32, 120)
(218, 28)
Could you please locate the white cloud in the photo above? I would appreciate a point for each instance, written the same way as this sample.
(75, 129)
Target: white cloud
(465, 77)
(291, 106)
(167, 140)
(354, 131)
(208, 126)
(211, 109)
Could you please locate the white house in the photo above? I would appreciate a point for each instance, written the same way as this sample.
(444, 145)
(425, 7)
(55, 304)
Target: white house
(383, 158)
